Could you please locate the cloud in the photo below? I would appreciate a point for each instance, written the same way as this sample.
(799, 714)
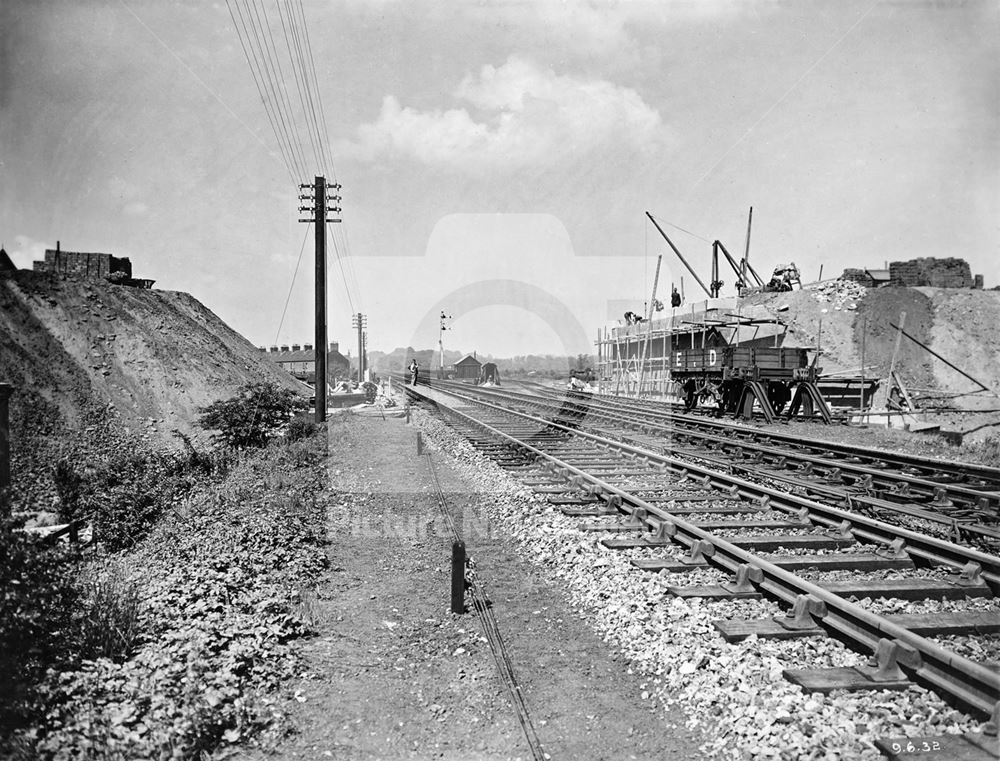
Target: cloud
(135, 208)
(26, 250)
(525, 114)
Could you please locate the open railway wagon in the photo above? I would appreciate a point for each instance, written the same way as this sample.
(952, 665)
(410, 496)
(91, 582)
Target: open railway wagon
(739, 380)
(714, 353)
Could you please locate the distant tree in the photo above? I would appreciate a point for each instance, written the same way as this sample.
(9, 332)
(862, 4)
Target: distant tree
(255, 414)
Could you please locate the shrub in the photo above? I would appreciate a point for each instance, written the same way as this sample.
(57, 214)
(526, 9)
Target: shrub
(371, 391)
(36, 608)
(251, 417)
(301, 428)
(109, 624)
(70, 488)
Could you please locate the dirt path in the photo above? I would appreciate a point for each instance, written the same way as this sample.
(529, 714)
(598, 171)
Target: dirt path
(392, 674)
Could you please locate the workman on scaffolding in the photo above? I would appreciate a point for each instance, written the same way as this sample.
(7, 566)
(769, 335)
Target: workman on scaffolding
(675, 298)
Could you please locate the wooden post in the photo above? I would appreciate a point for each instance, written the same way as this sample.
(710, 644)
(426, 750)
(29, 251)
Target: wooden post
(321, 345)
(895, 351)
(861, 393)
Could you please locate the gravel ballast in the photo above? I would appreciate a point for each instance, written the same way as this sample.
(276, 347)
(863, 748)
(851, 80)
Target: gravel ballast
(734, 693)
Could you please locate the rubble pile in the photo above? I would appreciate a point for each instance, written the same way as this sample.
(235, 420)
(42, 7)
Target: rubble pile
(843, 294)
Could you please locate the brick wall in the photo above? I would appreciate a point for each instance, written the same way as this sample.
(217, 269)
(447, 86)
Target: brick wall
(82, 264)
(940, 273)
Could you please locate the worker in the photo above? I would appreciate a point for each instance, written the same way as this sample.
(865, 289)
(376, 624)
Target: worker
(414, 370)
(490, 374)
(675, 298)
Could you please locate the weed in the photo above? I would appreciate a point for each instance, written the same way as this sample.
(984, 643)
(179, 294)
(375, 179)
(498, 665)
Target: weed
(109, 624)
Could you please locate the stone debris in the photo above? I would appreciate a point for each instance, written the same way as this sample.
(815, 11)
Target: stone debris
(842, 294)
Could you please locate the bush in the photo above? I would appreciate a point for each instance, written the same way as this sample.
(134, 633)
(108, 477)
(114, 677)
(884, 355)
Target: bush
(371, 391)
(253, 416)
(70, 488)
(36, 608)
(301, 428)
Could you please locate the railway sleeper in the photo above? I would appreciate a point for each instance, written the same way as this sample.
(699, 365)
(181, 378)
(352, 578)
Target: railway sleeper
(924, 624)
(834, 562)
(706, 525)
(900, 589)
(883, 672)
(752, 542)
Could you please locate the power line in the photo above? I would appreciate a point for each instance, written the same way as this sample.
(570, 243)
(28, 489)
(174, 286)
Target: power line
(272, 74)
(200, 81)
(284, 90)
(247, 50)
(319, 100)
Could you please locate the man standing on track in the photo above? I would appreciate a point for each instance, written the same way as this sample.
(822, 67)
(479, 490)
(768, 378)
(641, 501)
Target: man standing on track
(414, 369)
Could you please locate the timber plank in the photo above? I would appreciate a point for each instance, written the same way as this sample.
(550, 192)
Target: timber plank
(907, 589)
(841, 678)
(737, 630)
(758, 543)
(833, 562)
(712, 591)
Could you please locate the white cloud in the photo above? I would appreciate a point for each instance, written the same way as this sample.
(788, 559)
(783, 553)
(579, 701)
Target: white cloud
(526, 115)
(135, 208)
(26, 250)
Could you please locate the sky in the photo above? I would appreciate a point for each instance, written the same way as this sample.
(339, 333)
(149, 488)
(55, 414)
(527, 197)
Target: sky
(497, 158)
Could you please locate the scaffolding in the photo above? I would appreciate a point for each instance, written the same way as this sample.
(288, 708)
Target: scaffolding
(635, 360)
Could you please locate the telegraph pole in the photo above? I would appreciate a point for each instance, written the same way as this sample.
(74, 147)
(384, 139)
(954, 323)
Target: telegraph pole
(360, 322)
(319, 219)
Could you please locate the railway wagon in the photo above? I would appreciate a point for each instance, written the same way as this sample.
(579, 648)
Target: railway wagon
(740, 377)
(779, 362)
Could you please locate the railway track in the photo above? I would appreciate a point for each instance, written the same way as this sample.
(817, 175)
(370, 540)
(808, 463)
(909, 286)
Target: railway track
(957, 501)
(816, 558)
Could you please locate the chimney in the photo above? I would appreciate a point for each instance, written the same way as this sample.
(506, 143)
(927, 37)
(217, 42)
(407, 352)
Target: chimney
(57, 247)
(307, 347)
(262, 349)
(295, 347)
(334, 346)
(284, 348)
(274, 349)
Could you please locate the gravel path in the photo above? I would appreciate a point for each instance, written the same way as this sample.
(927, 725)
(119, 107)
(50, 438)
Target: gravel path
(393, 674)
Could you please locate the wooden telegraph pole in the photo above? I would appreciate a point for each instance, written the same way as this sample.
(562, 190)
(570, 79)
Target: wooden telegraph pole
(360, 322)
(319, 210)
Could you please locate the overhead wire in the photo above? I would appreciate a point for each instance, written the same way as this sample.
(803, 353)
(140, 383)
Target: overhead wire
(260, 45)
(305, 93)
(202, 82)
(284, 101)
(319, 101)
(257, 81)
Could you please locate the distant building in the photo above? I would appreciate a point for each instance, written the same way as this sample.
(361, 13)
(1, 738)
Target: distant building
(300, 361)
(867, 278)
(90, 266)
(468, 368)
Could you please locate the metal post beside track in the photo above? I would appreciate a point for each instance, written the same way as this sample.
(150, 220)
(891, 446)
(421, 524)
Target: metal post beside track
(458, 577)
